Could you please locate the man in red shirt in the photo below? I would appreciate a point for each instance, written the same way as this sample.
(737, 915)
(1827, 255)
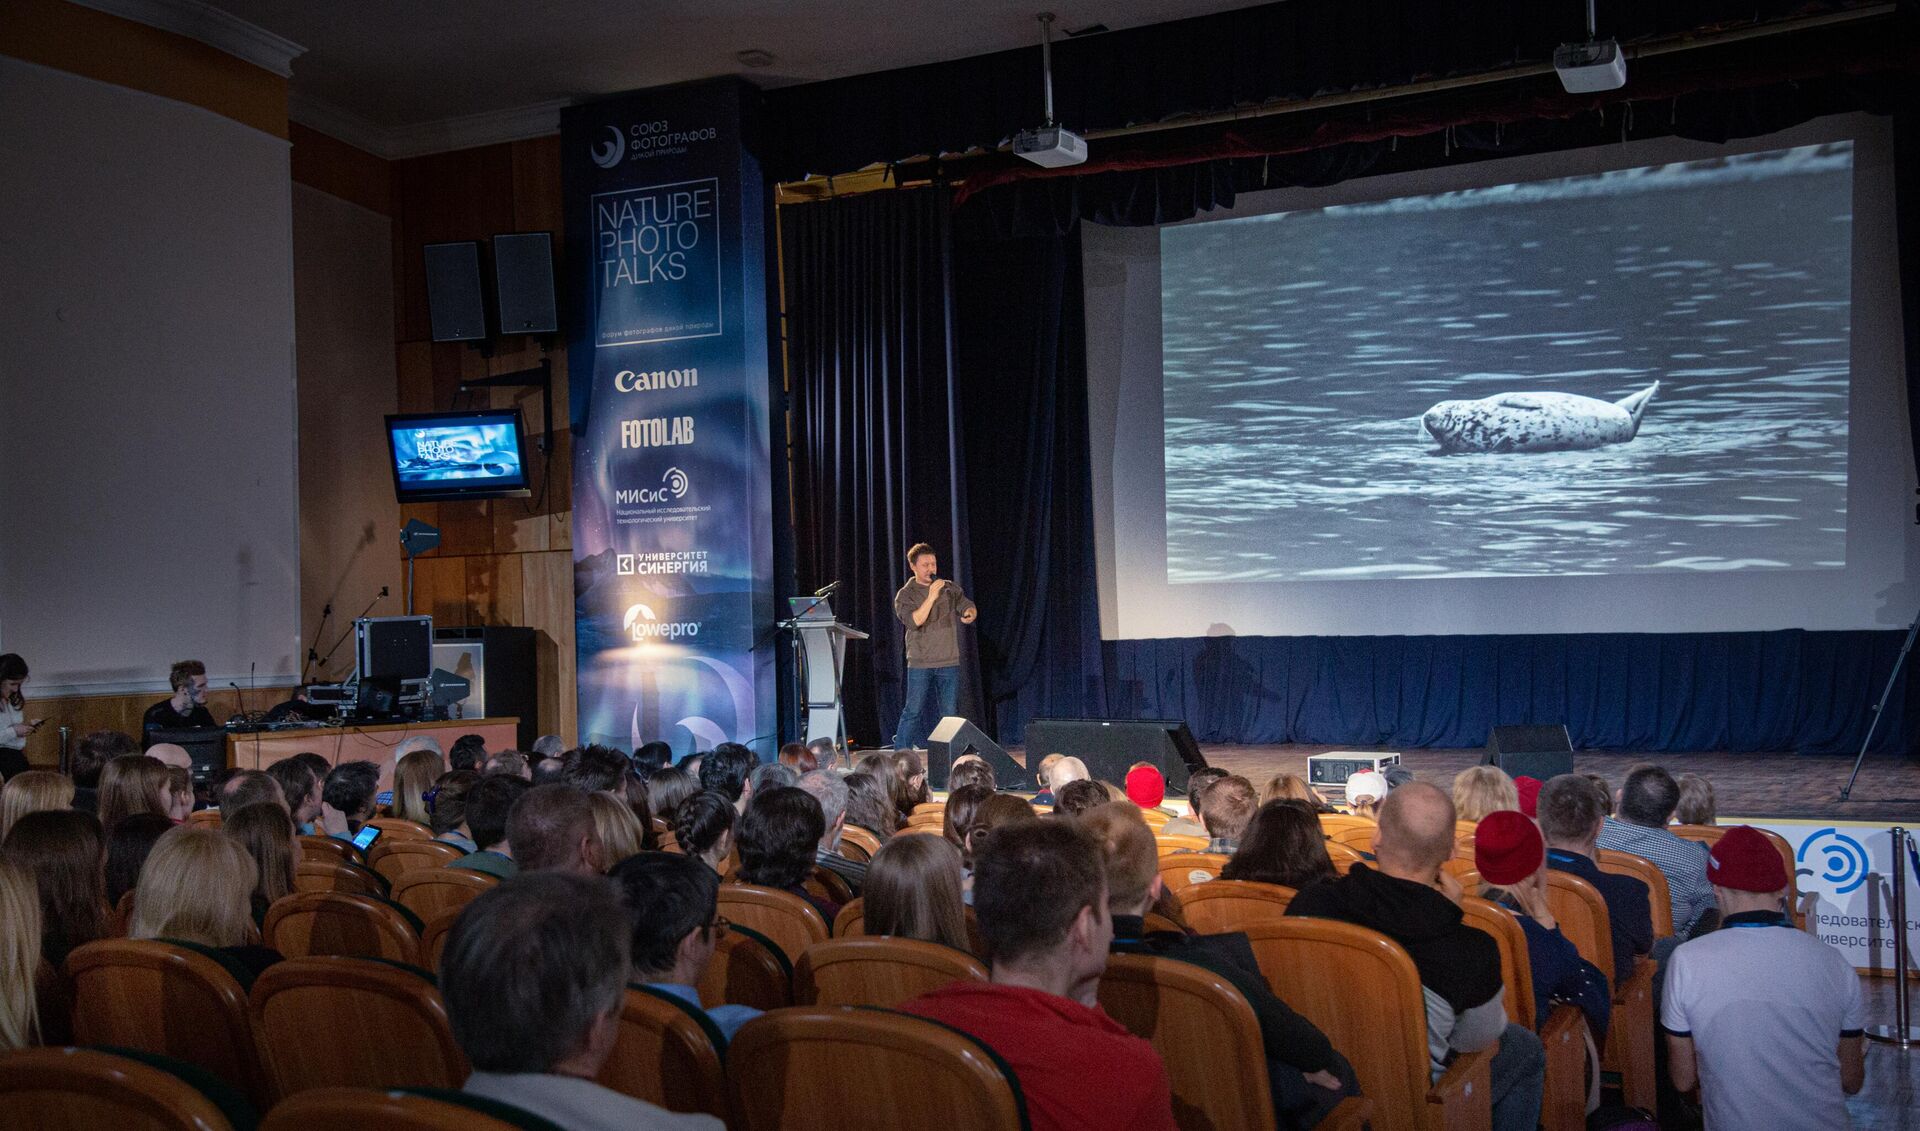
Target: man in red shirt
(1041, 896)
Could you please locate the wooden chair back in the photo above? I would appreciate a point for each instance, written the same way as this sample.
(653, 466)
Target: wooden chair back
(337, 875)
(1357, 837)
(1659, 896)
(854, 840)
(309, 923)
(1179, 842)
(1363, 992)
(1516, 969)
(431, 892)
(122, 919)
(351, 1022)
(395, 858)
(824, 883)
(791, 923)
(1154, 921)
(878, 971)
(1582, 913)
(1155, 819)
(204, 818)
(1332, 823)
(328, 848)
(1205, 1033)
(1230, 905)
(1464, 871)
(163, 998)
(934, 818)
(1710, 835)
(925, 807)
(828, 1069)
(667, 1054)
(1182, 870)
(74, 1089)
(852, 920)
(360, 1109)
(1564, 1098)
(1343, 857)
(399, 828)
(747, 969)
(433, 940)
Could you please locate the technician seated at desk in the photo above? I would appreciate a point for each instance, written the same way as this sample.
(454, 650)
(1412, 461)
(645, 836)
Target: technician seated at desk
(187, 708)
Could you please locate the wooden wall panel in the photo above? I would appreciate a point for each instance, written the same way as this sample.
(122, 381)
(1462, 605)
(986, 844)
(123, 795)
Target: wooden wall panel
(88, 713)
(334, 167)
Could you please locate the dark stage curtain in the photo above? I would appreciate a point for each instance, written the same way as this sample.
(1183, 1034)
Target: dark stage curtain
(877, 462)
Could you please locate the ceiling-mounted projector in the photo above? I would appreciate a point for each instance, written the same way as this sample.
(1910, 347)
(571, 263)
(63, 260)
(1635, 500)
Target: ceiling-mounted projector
(1595, 65)
(1052, 146)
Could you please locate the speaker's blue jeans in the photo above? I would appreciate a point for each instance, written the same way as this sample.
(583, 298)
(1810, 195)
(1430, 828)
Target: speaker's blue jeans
(938, 688)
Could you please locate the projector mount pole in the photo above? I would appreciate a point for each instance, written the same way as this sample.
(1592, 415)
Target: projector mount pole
(1046, 63)
(1899, 662)
(1591, 24)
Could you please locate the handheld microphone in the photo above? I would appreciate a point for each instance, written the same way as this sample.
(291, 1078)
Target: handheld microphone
(827, 590)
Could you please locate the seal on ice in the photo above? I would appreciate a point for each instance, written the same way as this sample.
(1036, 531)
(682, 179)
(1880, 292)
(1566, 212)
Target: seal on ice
(1536, 422)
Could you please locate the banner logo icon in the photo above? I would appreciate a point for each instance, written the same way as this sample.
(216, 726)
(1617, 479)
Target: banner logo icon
(608, 155)
(647, 628)
(1846, 862)
(676, 481)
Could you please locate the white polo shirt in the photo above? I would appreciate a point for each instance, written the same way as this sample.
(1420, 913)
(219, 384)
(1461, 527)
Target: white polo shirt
(1767, 1007)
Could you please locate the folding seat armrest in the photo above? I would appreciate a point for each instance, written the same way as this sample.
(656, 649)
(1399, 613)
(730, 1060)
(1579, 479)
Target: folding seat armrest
(1464, 1091)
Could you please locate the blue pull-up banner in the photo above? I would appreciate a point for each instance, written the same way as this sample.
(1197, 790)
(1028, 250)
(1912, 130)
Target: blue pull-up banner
(668, 363)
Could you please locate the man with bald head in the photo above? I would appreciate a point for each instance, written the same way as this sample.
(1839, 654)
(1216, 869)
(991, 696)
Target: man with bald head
(170, 754)
(1411, 899)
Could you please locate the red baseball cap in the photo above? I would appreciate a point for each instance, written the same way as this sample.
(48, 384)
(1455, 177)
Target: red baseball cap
(1507, 848)
(1745, 860)
(1529, 789)
(1146, 787)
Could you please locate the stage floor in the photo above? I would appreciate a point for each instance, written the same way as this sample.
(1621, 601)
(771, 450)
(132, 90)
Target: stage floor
(1744, 785)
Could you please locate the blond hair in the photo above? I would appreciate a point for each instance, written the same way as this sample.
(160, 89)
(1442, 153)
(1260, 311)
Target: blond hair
(32, 792)
(412, 778)
(912, 891)
(1127, 850)
(1479, 790)
(620, 832)
(132, 783)
(19, 956)
(1291, 787)
(197, 886)
(1046, 764)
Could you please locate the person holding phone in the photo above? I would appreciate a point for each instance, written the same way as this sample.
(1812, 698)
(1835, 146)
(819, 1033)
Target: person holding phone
(15, 727)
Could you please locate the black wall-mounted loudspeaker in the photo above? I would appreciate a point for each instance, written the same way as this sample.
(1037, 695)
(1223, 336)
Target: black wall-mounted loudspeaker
(523, 280)
(1538, 752)
(456, 300)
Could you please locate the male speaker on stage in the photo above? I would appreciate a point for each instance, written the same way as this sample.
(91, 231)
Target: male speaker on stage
(932, 609)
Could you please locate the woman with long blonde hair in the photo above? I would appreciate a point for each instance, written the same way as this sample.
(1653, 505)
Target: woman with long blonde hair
(620, 832)
(197, 887)
(19, 956)
(1479, 790)
(266, 831)
(33, 792)
(133, 783)
(913, 891)
(1293, 787)
(412, 778)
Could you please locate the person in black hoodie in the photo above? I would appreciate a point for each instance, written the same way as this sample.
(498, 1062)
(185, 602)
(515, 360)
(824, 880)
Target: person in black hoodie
(1408, 897)
(1305, 1074)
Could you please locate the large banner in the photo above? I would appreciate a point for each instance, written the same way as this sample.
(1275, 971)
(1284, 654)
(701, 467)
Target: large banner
(1845, 875)
(668, 369)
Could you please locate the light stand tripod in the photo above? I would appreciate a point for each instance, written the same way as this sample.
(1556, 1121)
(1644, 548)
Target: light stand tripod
(1881, 707)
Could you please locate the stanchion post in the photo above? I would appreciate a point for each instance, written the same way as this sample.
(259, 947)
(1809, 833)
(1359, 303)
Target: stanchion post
(1900, 1034)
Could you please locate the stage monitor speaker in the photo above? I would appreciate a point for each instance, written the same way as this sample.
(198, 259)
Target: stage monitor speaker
(956, 736)
(523, 282)
(456, 300)
(1110, 746)
(502, 664)
(1538, 752)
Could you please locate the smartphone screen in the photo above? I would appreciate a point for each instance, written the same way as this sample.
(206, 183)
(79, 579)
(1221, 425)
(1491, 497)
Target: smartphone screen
(364, 839)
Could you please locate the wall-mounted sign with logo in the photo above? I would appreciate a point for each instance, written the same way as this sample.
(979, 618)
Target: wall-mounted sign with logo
(1845, 877)
(668, 363)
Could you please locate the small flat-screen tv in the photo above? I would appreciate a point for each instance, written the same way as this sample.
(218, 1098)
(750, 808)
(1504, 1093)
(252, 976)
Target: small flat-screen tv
(444, 456)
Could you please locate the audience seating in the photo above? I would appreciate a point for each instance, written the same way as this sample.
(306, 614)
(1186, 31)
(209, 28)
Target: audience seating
(336, 1022)
(1357, 837)
(1154, 921)
(747, 969)
(1710, 835)
(1209, 1039)
(399, 828)
(1343, 857)
(396, 858)
(1230, 905)
(937, 818)
(668, 1054)
(122, 919)
(852, 920)
(834, 1069)
(414, 1109)
(204, 818)
(76, 1089)
(1361, 989)
(169, 998)
(878, 971)
(328, 848)
(789, 922)
(433, 940)
(1155, 819)
(330, 922)
(1564, 1103)
(432, 891)
(1181, 870)
(1461, 868)
(855, 840)
(1659, 895)
(827, 884)
(1333, 823)
(1179, 842)
(930, 807)
(1582, 914)
(669, 843)
(336, 875)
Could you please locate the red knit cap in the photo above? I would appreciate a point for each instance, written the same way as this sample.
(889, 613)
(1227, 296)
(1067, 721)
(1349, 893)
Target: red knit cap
(1745, 860)
(1146, 787)
(1507, 848)
(1529, 789)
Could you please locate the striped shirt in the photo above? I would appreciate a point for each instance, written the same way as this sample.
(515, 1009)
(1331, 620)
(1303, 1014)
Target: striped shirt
(1683, 862)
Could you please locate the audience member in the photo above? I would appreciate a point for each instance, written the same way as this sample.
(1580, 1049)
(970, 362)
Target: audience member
(15, 727)
(1293, 787)
(413, 776)
(301, 787)
(620, 833)
(447, 806)
(1305, 1074)
(1570, 816)
(551, 829)
(826, 755)
(1606, 792)
(595, 769)
(180, 798)
(633, 791)
(1042, 903)
(1077, 797)
(1412, 900)
(513, 764)
(171, 754)
(1283, 845)
(831, 792)
(128, 844)
(33, 791)
(725, 771)
(909, 782)
(869, 806)
(1365, 791)
(266, 831)
(1229, 806)
(703, 828)
(468, 752)
(132, 783)
(667, 788)
(1696, 805)
(1646, 804)
(1043, 778)
(315, 762)
(197, 887)
(248, 787)
(488, 805)
(534, 976)
(90, 756)
(1197, 783)
(797, 755)
(1765, 1019)
(993, 812)
(878, 764)
(61, 850)
(1511, 857)
(1147, 787)
(673, 906)
(186, 707)
(778, 837)
(957, 817)
(971, 769)
(347, 797)
(548, 746)
(19, 957)
(651, 758)
(1527, 789)
(549, 771)
(417, 742)
(1479, 790)
(914, 891)
(771, 775)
